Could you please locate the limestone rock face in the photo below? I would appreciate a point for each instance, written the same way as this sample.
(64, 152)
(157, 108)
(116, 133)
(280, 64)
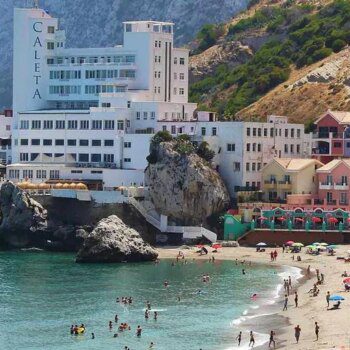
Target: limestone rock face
(184, 187)
(113, 241)
(21, 216)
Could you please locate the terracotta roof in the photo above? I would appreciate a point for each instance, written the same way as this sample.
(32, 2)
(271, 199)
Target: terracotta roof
(333, 164)
(340, 116)
(296, 164)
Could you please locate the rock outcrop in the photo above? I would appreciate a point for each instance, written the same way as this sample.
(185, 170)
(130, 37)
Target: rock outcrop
(113, 241)
(184, 186)
(21, 216)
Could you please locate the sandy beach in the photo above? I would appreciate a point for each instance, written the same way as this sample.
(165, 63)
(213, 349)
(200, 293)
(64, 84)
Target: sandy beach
(334, 324)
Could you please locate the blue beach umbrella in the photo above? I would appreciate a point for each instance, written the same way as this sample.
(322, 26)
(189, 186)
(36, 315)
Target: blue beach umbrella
(336, 298)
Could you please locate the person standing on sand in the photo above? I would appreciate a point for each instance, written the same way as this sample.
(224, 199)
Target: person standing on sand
(252, 340)
(297, 330)
(285, 305)
(317, 330)
(272, 340)
(308, 270)
(327, 299)
(239, 338)
(296, 299)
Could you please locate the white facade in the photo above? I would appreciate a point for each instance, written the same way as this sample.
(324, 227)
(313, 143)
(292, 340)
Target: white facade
(89, 114)
(5, 137)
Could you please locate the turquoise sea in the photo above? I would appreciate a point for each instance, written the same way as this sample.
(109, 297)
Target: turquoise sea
(42, 294)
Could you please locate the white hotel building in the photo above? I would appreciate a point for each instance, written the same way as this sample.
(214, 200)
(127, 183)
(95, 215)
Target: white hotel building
(89, 113)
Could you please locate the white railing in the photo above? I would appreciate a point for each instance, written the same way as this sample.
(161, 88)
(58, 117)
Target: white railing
(189, 232)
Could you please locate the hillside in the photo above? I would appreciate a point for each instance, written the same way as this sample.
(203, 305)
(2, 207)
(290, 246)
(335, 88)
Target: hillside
(91, 23)
(266, 50)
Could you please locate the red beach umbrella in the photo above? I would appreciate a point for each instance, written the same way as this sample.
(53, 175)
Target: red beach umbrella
(199, 245)
(216, 246)
(316, 219)
(289, 242)
(346, 280)
(348, 219)
(332, 220)
(262, 218)
(281, 218)
(299, 219)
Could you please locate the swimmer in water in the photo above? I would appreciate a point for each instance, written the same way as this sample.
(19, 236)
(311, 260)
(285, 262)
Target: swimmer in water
(92, 335)
(243, 272)
(166, 284)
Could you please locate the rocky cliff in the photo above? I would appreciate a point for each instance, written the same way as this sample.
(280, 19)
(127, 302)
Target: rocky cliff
(184, 186)
(113, 241)
(91, 23)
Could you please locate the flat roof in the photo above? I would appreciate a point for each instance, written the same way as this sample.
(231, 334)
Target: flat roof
(57, 111)
(153, 22)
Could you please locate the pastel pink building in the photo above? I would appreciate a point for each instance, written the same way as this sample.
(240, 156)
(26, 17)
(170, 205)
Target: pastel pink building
(331, 138)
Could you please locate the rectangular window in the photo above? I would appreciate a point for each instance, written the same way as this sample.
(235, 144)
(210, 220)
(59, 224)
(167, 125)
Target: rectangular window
(109, 124)
(247, 166)
(83, 157)
(254, 131)
(182, 76)
(48, 124)
(36, 124)
(96, 143)
(24, 142)
(182, 61)
(285, 132)
(24, 124)
(84, 124)
(285, 148)
(96, 158)
(71, 142)
(59, 142)
(109, 143)
(248, 131)
(265, 132)
(231, 147)
(97, 124)
(292, 133)
(145, 115)
(127, 144)
(343, 198)
(248, 147)
(51, 29)
(213, 131)
(50, 45)
(173, 129)
(84, 143)
(298, 133)
(120, 125)
(138, 115)
(181, 91)
(72, 124)
(127, 160)
(259, 132)
(108, 158)
(271, 132)
(60, 124)
(253, 167)
(47, 142)
(291, 148)
(23, 157)
(153, 115)
(203, 131)
(298, 149)
(54, 174)
(236, 166)
(35, 142)
(259, 147)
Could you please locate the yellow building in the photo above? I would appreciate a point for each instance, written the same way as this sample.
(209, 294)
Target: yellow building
(285, 176)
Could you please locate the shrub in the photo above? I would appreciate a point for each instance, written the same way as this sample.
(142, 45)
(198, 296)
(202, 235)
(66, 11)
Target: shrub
(205, 152)
(161, 136)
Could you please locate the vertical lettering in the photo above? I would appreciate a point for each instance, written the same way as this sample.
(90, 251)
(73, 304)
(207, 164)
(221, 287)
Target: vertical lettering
(36, 94)
(37, 67)
(36, 26)
(37, 79)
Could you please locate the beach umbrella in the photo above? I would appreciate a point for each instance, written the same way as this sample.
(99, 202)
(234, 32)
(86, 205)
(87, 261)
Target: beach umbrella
(216, 246)
(332, 220)
(299, 219)
(316, 243)
(346, 280)
(261, 244)
(316, 219)
(323, 244)
(297, 244)
(199, 245)
(262, 218)
(289, 243)
(336, 298)
(281, 218)
(348, 219)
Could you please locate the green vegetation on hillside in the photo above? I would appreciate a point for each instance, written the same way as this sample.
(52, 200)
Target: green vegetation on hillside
(304, 37)
(207, 37)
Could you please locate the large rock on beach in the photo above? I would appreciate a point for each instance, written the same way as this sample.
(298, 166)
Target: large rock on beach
(113, 241)
(21, 216)
(184, 187)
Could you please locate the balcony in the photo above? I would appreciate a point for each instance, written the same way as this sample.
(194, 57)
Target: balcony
(341, 186)
(318, 201)
(268, 184)
(284, 185)
(327, 135)
(332, 202)
(325, 186)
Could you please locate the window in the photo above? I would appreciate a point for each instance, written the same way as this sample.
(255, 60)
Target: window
(96, 158)
(71, 142)
(54, 174)
(47, 142)
(83, 142)
(50, 61)
(48, 124)
(127, 160)
(285, 148)
(173, 129)
(259, 147)
(231, 147)
(343, 198)
(164, 128)
(265, 132)
(153, 115)
(120, 125)
(236, 166)
(84, 124)
(213, 131)
(59, 142)
(109, 143)
(175, 60)
(247, 166)
(96, 143)
(271, 132)
(292, 133)
(83, 157)
(253, 167)
(254, 131)
(24, 142)
(182, 61)
(109, 124)
(298, 133)
(258, 166)
(175, 90)
(72, 124)
(106, 105)
(298, 149)
(76, 171)
(28, 174)
(182, 76)
(181, 91)
(36, 124)
(97, 124)
(23, 157)
(248, 131)
(145, 115)
(108, 158)
(60, 124)
(127, 144)
(35, 142)
(248, 147)
(259, 132)
(50, 45)
(337, 144)
(203, 131)
(285, 132)
(33, 156)
(138, 115)
(24, 124)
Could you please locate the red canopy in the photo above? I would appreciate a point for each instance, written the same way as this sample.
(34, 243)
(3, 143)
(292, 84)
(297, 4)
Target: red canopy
(262, 218)
(299, 219)
(348, 219)
(316, 219)
(346, 280)
(216, 246)
(289, 242)
(332, 220)
(281, 218)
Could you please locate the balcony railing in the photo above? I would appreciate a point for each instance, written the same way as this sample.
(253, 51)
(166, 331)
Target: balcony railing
(318, 201)
(332, 202)
(341, 186)
(325, 186)
(328, 135)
